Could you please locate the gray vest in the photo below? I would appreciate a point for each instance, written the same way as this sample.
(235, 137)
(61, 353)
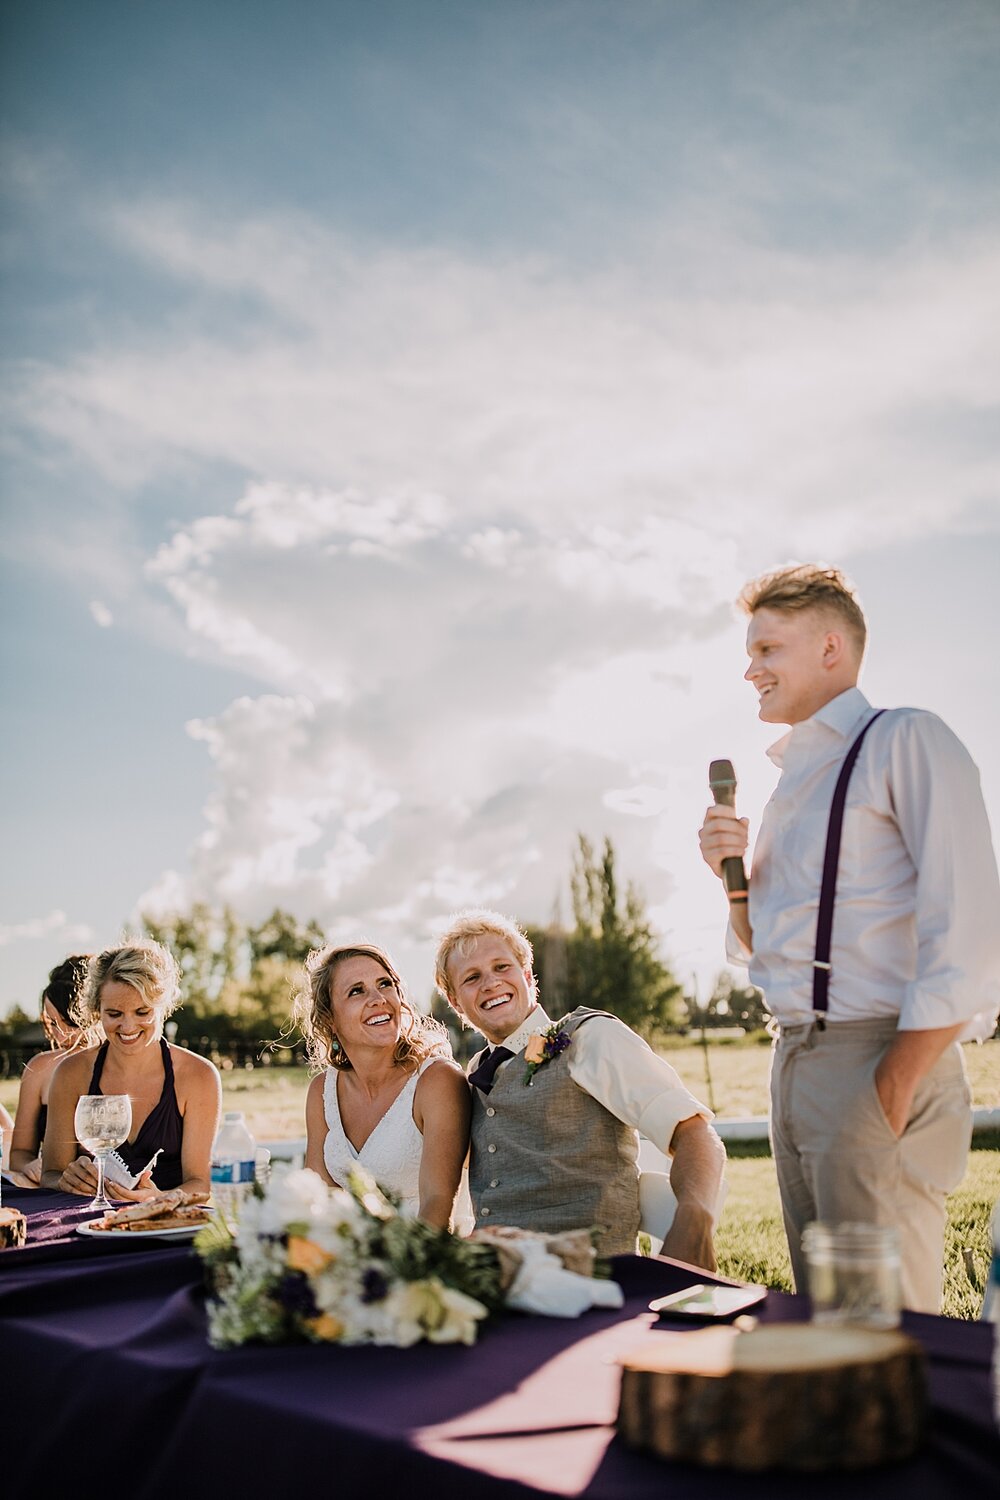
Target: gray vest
(550, 1157)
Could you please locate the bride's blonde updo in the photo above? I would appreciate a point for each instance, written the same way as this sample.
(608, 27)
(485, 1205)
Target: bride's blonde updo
(420, 1036)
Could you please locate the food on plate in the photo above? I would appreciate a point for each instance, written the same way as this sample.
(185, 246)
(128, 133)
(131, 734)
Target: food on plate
(174, 1210)
(13, 1228)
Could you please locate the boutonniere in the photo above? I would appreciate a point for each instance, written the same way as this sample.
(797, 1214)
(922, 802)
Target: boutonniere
(542, 1049)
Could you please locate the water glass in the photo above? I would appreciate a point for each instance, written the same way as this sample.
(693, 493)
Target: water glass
(102, 1122)
(853, 1274)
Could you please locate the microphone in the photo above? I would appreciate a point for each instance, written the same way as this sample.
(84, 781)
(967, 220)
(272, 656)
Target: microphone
(722, 782)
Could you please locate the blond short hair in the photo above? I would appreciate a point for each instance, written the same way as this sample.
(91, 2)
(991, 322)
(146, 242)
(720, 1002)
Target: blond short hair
(420, 1036)
(147, 966)
(809, 586)
(464, 929)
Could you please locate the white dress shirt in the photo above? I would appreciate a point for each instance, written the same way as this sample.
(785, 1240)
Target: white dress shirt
(617, 1068)
(916, 925)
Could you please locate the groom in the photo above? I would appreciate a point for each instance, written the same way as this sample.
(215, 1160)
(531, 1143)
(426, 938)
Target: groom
(559, 1151)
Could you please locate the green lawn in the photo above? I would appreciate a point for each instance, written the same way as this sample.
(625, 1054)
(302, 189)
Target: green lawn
(751, 1241)
(736, 1074)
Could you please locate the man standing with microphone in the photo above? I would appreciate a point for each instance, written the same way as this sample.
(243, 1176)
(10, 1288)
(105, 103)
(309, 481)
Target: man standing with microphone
(872, 925)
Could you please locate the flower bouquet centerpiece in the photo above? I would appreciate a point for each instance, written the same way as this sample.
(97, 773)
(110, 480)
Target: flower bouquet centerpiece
(306, 1261)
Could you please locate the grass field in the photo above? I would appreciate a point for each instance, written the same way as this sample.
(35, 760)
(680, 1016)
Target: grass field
(750, 1240)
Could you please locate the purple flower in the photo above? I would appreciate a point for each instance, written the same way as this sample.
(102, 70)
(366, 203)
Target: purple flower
(543, 1048)
(373, 1285)
(295, 1294)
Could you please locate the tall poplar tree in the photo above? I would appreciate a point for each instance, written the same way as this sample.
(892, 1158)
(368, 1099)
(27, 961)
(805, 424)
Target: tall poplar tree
(610, 958)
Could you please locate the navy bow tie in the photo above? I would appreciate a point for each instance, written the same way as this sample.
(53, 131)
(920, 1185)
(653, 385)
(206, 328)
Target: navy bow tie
(482, 1077)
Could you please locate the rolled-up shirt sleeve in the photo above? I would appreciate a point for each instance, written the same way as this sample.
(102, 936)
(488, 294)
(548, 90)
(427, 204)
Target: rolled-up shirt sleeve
(737, 951)
(942, 819)
(623, 1073)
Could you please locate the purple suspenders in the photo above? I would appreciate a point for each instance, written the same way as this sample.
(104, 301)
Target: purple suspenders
(828, 889)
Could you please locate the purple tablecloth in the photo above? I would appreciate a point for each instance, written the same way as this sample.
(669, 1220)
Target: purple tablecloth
(105, 1350)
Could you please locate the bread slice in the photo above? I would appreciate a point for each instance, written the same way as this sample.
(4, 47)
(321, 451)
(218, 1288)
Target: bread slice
(188, 1216)
(178, 1207)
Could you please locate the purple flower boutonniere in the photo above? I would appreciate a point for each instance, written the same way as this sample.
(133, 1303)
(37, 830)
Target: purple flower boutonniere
(542, 1049)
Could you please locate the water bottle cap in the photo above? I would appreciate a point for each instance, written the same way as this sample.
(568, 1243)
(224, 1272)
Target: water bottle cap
(233, 1114)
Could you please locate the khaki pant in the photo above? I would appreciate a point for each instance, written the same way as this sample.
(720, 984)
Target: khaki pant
(837, 1158)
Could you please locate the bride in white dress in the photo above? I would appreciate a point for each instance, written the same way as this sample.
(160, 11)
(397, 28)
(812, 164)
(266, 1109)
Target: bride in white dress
(390, 1098)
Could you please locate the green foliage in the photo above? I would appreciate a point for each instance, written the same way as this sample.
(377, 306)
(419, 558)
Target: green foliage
(216, 1243)
(750, 1241)
(610, 959)
(415, 1251)
(237, 981)
(206, 947)
(13, 1023)
(465, 1040)
(282, 936)
(731, 1004)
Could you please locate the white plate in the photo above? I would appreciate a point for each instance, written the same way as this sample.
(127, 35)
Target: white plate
(179, 1232)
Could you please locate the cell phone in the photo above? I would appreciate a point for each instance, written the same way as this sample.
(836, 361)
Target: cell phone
(708, 1302)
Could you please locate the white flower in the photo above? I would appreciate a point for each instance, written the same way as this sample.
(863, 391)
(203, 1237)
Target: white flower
(345, 1246)
(429, 1309)
(292, 1197)
(461, 1314)
(342, 1226)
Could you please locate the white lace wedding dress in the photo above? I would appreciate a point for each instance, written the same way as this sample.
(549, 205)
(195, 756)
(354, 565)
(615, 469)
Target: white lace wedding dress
(391, 1153)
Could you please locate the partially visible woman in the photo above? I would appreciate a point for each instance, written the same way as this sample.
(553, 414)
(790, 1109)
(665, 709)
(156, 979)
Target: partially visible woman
(7, 1126)
(60, 1014)
(390, 1098)
(176, 1096)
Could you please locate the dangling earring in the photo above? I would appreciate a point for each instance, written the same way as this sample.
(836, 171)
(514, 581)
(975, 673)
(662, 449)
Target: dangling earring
(334, 1050)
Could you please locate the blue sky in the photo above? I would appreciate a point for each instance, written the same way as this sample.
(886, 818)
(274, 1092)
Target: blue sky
(394, 398)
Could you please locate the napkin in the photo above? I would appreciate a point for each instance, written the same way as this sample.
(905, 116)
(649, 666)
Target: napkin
(543, 1285)
(115, 1169)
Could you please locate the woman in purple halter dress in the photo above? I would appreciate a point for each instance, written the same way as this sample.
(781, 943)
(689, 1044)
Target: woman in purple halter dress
(176, 1096)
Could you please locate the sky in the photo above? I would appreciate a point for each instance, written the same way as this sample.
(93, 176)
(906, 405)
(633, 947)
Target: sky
(396, 395)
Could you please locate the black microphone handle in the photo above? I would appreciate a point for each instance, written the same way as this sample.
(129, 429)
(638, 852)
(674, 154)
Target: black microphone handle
(722, 782)
(734, 875)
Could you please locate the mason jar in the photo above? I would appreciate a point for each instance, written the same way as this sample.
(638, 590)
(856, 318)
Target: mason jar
(853, 1272)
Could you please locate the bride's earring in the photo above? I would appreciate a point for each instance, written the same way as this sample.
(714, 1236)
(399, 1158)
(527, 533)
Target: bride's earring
(335, 1047)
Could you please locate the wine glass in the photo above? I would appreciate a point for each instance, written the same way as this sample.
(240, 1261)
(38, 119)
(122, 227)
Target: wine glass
(102, 1122)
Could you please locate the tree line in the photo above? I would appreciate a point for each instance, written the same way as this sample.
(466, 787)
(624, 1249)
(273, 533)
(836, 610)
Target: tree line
(238, 980)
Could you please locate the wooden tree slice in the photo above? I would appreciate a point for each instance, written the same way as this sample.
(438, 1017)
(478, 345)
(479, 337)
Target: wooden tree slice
(792, 1395)
(13, 1228)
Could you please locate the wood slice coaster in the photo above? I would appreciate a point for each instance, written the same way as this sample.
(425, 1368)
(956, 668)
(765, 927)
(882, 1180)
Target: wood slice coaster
(13, 1228)
(792, 1395)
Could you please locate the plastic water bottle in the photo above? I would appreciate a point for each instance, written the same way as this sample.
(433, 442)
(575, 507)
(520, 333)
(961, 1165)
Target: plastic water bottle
(233, 1156)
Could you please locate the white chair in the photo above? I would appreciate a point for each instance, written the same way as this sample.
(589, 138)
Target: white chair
(657, 1204)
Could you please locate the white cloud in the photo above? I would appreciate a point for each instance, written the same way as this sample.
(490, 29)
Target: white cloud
(54, 923)
(101, 614)
(790, 400)
(475, 704)
(495, 515)
(170, 893)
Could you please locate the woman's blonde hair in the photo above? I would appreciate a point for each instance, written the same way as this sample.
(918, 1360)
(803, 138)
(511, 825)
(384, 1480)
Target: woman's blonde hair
(147, 966)
(464, 929)
(420, 1036)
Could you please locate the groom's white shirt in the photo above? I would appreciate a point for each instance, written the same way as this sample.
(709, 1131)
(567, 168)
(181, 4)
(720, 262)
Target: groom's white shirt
(617, 1068)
